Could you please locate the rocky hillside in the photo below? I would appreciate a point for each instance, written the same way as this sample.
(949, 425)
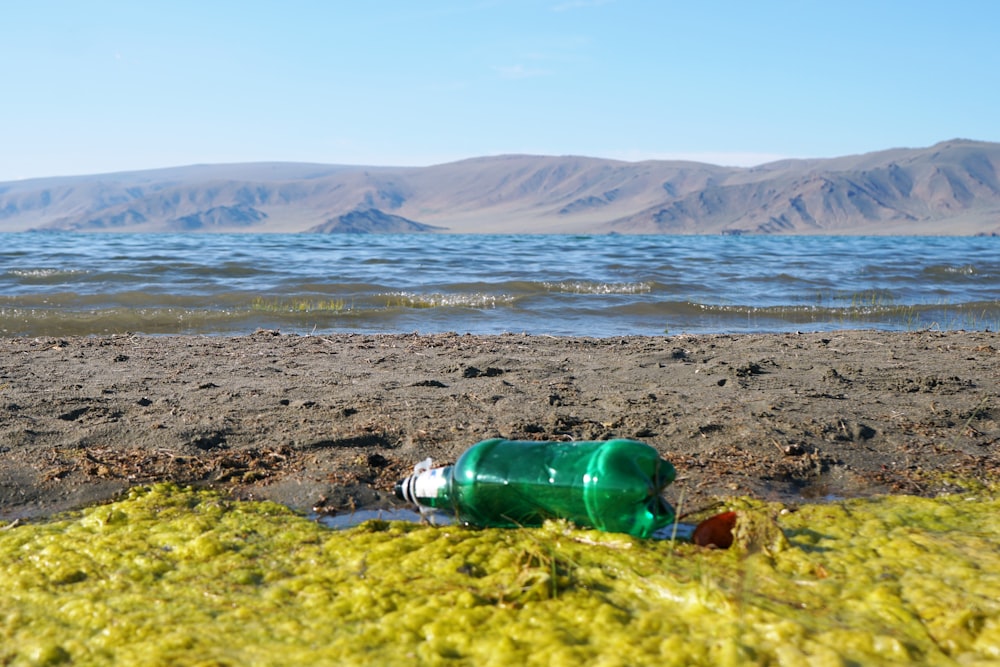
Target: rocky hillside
(948, 188)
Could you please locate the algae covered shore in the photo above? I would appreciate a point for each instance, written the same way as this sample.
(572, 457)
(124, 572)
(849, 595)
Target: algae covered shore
(864, 466)
(174, 576)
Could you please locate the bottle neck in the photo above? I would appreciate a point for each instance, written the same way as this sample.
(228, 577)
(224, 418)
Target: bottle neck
(427, 488)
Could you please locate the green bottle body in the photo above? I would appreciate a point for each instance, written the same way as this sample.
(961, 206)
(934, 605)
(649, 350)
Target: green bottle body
(611, 485)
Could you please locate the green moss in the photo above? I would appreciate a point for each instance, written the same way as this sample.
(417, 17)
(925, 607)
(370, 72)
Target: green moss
(174, 576)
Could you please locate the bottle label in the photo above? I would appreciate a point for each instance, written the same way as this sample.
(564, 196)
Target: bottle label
(430, 484)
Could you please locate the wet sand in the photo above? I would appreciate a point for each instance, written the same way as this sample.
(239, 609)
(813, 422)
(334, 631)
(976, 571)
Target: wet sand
(329, 423)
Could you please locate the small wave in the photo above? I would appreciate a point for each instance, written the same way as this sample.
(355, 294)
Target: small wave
(298, 305)
(973, 316)
(230, 269)
(479, 300)
(44, 274)
(588, 287)
(947, 270)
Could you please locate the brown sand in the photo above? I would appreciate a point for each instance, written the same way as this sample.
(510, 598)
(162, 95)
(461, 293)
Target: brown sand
(331, 422)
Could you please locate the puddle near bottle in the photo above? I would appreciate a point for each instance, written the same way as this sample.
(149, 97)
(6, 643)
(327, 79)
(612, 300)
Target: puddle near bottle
(358, 517)
(680, 531)
(675, 531)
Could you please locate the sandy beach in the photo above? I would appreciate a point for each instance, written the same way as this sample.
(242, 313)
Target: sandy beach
(329, 423)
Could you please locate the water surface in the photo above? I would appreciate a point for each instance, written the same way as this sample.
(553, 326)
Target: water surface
(63, 284)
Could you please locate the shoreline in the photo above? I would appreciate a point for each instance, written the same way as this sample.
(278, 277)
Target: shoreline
(329, 423)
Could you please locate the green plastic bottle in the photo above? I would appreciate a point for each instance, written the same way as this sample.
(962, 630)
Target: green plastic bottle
(612, 485)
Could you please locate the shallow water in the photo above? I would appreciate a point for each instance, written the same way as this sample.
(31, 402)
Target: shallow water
(676, 531)
(66, 284)
(358, 517)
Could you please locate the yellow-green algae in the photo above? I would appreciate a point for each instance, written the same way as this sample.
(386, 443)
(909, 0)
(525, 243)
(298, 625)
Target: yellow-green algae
(176, 576)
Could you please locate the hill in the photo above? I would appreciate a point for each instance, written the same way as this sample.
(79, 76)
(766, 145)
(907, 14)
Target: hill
(949, 188)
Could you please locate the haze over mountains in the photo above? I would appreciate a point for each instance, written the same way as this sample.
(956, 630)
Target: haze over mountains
(949, 188)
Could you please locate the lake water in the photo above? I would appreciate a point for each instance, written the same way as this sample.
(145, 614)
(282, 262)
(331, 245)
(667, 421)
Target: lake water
(65, 284)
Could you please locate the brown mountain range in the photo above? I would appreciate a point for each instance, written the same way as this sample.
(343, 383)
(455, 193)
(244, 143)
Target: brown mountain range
(949, 188)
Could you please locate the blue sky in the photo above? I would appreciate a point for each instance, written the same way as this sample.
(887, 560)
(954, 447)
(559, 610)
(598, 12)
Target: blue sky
(112, 85)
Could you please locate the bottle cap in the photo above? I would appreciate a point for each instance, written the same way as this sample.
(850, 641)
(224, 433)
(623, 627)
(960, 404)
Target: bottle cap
(405, 489)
